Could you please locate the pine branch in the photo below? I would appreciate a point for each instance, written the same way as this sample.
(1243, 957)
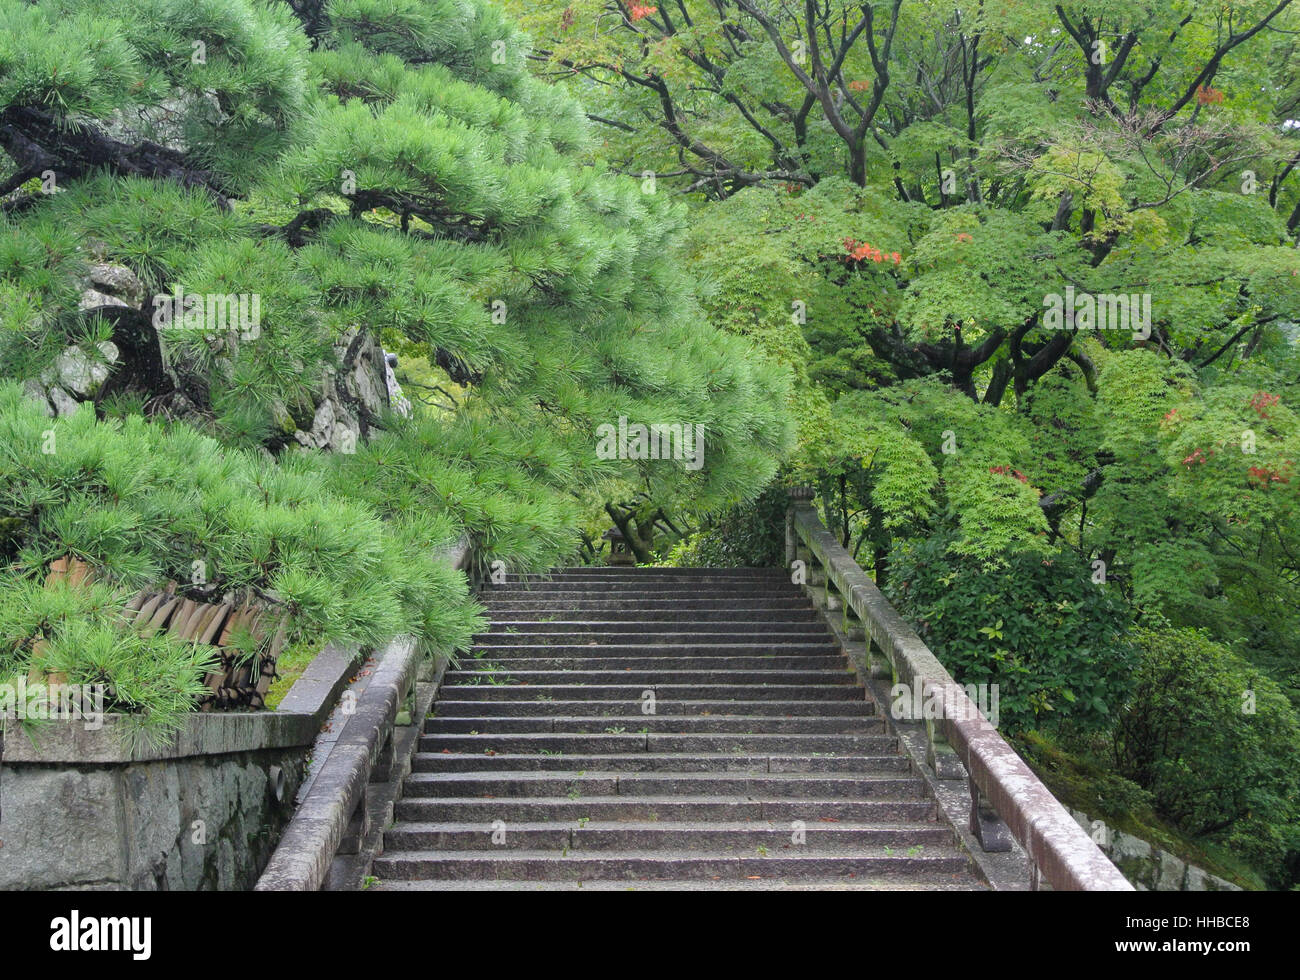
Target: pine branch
(38, 141)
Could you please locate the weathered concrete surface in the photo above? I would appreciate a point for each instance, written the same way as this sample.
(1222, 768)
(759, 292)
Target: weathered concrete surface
(1148, 867)
(203, 734)
(339, 790)
(696, 759)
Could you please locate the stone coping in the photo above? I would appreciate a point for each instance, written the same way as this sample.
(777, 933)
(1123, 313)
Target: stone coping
(1066, 857)
(302, 859)
(295, 723)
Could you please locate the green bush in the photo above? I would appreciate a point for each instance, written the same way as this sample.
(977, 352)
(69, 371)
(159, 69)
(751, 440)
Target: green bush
(1216, 743)
(391, 175)
(1052, 641)
(144, 503)
(153, 680)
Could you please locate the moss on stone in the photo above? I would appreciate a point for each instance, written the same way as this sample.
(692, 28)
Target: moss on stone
(1082, 784)
(293, 661)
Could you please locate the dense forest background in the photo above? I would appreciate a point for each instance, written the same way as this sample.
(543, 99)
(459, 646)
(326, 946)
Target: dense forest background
(886, 196)
(877, 248)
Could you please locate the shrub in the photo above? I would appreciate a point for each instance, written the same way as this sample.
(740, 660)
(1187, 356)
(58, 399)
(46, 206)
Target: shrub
(1215, 742)
(1052, 641)
(154, 680)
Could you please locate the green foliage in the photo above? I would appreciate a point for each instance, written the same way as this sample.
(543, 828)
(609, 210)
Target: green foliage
(153, 680)
(231, 72)
(1081, 774)
(472, 234)
(1214, 741)
(937, 406)
(1052, 641)
(751, 535)
(402, 175)
(143, 503)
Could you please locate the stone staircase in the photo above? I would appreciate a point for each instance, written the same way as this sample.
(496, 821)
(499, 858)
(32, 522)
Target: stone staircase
(653, 728)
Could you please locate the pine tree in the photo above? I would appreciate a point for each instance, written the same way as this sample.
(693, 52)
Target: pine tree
(368, 175)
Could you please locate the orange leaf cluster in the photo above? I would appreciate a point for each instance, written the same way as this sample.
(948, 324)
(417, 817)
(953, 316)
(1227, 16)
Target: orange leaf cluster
(862, 251)
(1262, 402)
(1008, 471)
(1266, 475)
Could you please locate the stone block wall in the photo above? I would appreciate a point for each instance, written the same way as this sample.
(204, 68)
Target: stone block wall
(80, 808)
(197, 823)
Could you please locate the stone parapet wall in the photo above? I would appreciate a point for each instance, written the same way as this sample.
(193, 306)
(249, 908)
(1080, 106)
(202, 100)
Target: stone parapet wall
(203, 822)
(1148, 867)
(81, 808)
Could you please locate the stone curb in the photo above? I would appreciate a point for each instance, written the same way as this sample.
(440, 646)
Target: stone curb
(1003, 871)
(303, 857)
(296, 722)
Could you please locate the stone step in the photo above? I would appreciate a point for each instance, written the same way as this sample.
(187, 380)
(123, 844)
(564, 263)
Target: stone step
(502, 667)
(682, 619)
(912, 881)
(688, 808)
(729, 678)
(602, 743)
(577, 589)
(589, 709)
(517, 783)
(765, 764)
(655, 762)
(635, 604)
(670, 864)
(739, 837)
(600, 629)
(644, 572)
(577, 586)
(662, 692)
(709, 653)
(680, 724)
(624, 637)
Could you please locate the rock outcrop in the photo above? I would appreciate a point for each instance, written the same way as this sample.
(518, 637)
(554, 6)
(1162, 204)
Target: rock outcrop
(352, 398)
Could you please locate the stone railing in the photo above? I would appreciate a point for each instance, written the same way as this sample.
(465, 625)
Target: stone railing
(338, 825)
(1007, 799)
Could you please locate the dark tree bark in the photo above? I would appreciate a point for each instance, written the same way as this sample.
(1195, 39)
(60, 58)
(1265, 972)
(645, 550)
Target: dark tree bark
(38, 141)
